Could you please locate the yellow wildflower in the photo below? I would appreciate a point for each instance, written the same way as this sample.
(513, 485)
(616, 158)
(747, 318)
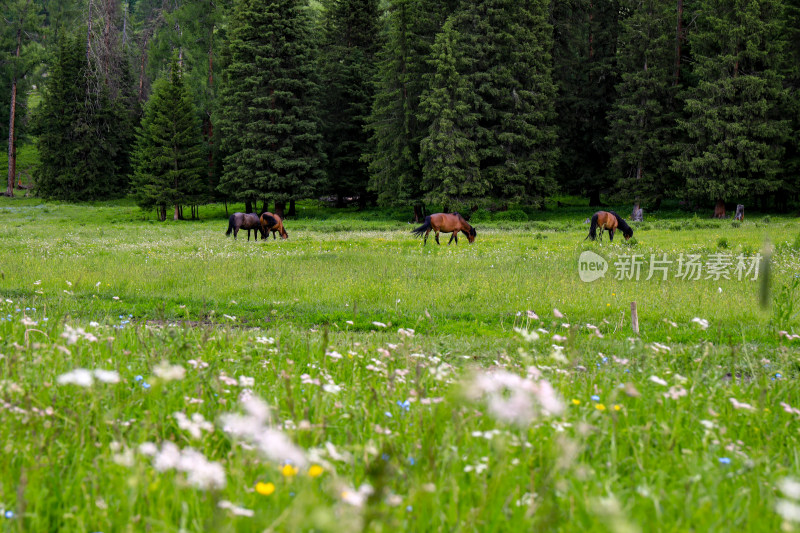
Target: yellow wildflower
(617, 407)
(265, 489)
(600, 407)
(575, 401)
(289, 470)
(315, 471)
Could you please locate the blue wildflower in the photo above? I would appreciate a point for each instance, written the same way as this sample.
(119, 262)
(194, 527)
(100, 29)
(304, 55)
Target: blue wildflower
(409, 508)
(138, 378)
(385, 456)
(404, 404)
(145, 385)
(595, 398)
(725, 460)
(412, 461)
(387, 413)
(778, 375)
(9, 514)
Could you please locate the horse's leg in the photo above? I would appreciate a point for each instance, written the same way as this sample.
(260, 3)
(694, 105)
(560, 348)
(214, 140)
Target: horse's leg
(437, 237)
(611, 234)
(455, 236)
(451, 239)
(425, 241)
(235, 232)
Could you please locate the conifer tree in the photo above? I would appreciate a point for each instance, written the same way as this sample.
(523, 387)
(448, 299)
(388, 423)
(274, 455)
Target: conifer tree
(643, 117)
(347, 70)
(510, 88)
(79, 150)
(734, 126)
(451, 173)
(269, 104)
(394, 126)
(169, 163)
(586, 35)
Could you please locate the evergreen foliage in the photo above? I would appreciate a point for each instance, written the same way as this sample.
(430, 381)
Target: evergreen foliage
(271, 138)
(735, 130)
(81, 132)
(169, 162)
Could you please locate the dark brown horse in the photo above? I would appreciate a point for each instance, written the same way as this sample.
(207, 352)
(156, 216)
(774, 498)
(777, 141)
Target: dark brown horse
(446, 223)
(248, 221)
(272, 222)
(609, 221)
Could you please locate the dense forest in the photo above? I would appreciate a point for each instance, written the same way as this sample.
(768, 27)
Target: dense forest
(417, 103)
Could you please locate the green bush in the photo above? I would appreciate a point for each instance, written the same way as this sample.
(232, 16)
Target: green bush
(512, 215)
(481, 215)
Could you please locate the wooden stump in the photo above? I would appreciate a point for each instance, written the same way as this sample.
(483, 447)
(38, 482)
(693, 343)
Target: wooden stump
(638, 214)
(739, 213)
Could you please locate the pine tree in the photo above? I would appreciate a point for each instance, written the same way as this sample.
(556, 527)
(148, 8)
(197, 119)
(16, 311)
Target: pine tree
(269, 105)
(78, 149)
(512, 91)
(169, 162)
(450, 164)
(643, 117)
(734, 128)
(347, 70)
(586, 34)
(395, 129)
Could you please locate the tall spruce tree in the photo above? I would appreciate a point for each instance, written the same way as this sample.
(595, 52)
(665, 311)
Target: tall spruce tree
(512, 90)
(269, 104)
(169, 157)
(451, 174)
(78, 129)
(347, 67)
(643, 117)
(734, 126)
(394, 126)
(585, 52)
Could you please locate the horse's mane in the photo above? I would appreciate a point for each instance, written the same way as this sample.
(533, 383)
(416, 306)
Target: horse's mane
(626, 229)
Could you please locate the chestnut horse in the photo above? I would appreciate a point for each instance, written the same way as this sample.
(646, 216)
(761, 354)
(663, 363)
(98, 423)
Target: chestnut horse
(248, 221)
(446, 223)
(272, 222)
(609, 221)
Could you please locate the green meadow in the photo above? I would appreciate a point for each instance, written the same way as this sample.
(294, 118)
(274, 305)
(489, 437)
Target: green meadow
(165, 377)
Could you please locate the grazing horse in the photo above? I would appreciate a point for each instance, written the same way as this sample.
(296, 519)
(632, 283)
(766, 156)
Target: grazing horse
(248, 221)
(609, 221)
(272, 222)
(446, 223)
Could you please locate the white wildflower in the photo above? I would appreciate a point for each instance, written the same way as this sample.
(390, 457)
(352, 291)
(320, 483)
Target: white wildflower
(702, 322)
(235, 509)
(740, 405)
(658, 380)
(168, 372)
(79, 376)
(357, 498)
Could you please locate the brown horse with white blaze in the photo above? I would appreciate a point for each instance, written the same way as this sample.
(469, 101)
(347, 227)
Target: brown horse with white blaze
(610, 222)
(446, 223)
(272, 222)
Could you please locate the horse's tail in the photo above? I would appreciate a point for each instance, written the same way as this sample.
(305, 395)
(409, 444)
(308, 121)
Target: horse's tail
(423, 228)
(592, 229)
(230, 226)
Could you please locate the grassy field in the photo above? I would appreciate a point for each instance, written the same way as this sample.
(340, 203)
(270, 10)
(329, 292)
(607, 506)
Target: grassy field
(162, 377)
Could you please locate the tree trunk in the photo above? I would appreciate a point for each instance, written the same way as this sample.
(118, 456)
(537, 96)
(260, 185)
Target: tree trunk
(12, 150)
(292, 209)
(339, 201)
(12, 160)
(719, 210)
(678, 39)
(419, 213)
(248, 206)
(177, 215)
(638, 214)
(265, 206)
(280, 208)
(594, 198)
